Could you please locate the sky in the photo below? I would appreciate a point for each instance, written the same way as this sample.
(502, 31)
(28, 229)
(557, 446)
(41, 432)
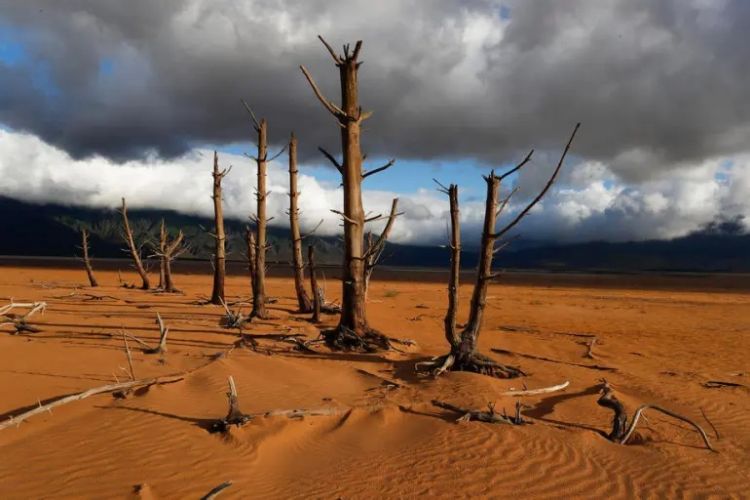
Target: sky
(101, 99)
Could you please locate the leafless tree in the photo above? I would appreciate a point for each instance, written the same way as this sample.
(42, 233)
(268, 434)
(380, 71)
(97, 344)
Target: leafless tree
(374, 248)
(463, 355)
(172, 250)
(217, 295)
(134, 250)
(160, 253)
(353, 331)
(87, 259)
(303, 301)
(261, 221)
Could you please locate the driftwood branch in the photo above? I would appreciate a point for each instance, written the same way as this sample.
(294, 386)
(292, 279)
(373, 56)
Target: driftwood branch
(216, 490)
(17, 419)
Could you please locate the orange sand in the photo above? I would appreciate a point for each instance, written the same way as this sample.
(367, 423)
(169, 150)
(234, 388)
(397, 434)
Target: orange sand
(394, 443)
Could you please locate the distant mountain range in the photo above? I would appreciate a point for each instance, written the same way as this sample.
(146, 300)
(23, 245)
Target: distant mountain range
(52, 230)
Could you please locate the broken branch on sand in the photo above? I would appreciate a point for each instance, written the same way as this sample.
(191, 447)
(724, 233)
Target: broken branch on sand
(20, 322)
(490, 416)
(236, 417)
(215, 491)
(16, 420)
(621, 431)
(534, 392)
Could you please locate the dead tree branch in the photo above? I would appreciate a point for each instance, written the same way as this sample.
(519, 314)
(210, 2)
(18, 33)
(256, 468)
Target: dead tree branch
(87, 259)
(134, 250)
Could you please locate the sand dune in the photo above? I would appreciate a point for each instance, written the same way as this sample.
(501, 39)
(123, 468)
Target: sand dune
(660, 346)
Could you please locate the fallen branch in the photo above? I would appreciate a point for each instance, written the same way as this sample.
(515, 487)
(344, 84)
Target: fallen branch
(717, 384)
(621, 431)
(534, 392)
(234, 415)
(590, 351)
(490, 416)
(16, 420)
(19, 322)
(215, 491)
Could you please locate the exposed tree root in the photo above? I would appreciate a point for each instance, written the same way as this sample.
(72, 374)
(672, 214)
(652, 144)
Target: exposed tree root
(621, 431)
(490, 416)
(474, 362)
(234, 415)
(345, 339)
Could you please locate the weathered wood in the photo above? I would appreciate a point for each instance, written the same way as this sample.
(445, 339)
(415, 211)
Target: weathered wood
(250, 243)
(134, 251)
(20, 322)
(353, 331)
(303, 300)
(375, 248)
(161, 254)
(87, 259)
(217, 293)
(216, 490)
(17, 419)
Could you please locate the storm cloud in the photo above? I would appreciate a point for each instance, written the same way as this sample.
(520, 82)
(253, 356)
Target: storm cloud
(656, 84)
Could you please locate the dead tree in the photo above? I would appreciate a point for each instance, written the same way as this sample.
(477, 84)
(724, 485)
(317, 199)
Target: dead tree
(217, 295)
(303, 301)
(134, 250)
(86, 259)
(172, 250)
(261, 221)
(353, 331)
(160, 253)
(250, 241)
(463, 355)
(375, 248)
(314, 284)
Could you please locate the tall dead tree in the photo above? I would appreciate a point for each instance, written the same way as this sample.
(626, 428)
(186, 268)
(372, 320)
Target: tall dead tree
(353, 331)
(217, 295)
(463, 355)
(127, 234)
(261, 221)
(87, 259)
(303, 301)
(374, 249)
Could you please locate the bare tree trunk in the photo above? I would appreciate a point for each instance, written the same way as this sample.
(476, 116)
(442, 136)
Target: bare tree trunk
(250, 241)
(313, 284)
(171, 251)
(217, 295)
(353, 331)
(453, 281)
(303, 301)
(463, 355)
(87, 259)
(162, 253)
(259, 282)
(375, 248)
(134, 253)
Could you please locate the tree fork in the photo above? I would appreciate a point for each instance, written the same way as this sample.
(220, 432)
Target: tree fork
(87, 259)
(134, 253)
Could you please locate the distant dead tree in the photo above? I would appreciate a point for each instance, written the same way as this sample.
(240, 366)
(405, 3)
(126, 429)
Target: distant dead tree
(463, 355)
(86, 258)
(259, 280)
(167, 251)
(217, 295)
(303, 301)
(135, 253)
(353, 331)
(172, 250)
(316, 303)
(374, 249)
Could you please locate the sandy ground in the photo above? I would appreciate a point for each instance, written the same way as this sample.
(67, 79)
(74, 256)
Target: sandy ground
(664, 346)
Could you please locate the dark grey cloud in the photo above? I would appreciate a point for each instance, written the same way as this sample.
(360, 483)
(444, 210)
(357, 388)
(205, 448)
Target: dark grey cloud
(656, 84)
